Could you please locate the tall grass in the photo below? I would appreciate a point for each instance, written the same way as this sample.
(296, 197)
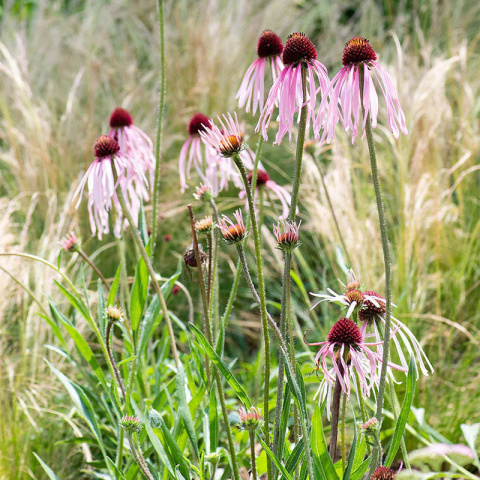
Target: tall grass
(64, 69)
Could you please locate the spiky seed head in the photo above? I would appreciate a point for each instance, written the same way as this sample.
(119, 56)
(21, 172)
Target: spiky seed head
(105, 146)
(204, 225)
(345, 331)
(250, 419)
(120, 118)
(114, 314)
(191, 259)
(358, 50)
(298, 47)
(131, 424)
(269, 44)
(370, 310)
(198, 123)
(383, 473)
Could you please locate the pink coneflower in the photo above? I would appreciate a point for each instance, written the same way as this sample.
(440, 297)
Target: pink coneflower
(287, 240)
(196, 151)
(102, 187)
(252, 89)
(232, 232)
(264, 182)
(133, 142)
(369, 307)
(344, 94)
(348, 351)
(70, 242)
(226, 140)
(287, 89)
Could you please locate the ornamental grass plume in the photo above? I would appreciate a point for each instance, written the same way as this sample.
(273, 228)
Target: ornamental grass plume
(342, 101)
(251, 93)
(369, 307)
(287, 90)
(100, 179)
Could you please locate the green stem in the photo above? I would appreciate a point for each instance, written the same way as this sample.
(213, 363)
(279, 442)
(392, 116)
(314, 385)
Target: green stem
(252, 453)
(363, 407)
(213, 298)
(93, 266)
(263, 303)
(387, 262)
(108, 341)
(137, 453)
(151, 272)
(119, 458)
(161, 109)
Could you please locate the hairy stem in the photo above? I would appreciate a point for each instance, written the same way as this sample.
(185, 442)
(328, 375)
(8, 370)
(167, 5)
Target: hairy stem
(213, 294)
(263, 303)
(337, 392)
(252, 453)
(387, 262)
(137, 453)
(161, 110)
(344, 447)
(108, 341)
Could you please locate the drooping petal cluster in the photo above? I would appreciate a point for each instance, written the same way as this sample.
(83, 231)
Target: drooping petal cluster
(226, 140)
(287, 90)
(343, 99)
(251, 93)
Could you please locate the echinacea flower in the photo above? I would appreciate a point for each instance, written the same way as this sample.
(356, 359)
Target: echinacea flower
(383, 473)
(250, 419)
(264, 182)
(232, 232)
(287, 240)
(252, 89)
(370, 309)
(195, 150)
(133, 142)
(204, 225)
(70, 242)
(299, 52)
(226, 140)
(102, 187)
(350, 355)
(344, 104)
(113, 314)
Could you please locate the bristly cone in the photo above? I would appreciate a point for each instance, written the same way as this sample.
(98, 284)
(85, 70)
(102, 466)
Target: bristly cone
(383, 473)
(120, 118)
(369, 310)
(345, 331)
(198, 123)
(105, 146)
(262, 177)
(298, 47)
(269, 44)
(358, 50)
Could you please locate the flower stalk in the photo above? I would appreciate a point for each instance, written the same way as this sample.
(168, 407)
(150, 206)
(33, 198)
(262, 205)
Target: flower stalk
(252, 454)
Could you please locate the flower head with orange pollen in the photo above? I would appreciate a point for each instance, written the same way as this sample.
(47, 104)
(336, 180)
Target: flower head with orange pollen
(359, 58)
(287, 241)
(251, 93)
(287, 90)
(232, 232)
(226, 140)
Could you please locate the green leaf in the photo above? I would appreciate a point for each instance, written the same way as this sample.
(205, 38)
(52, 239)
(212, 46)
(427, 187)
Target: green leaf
(319, 445)
(78, 304)
(100, 306)
(295, 457)
(351, 455)
(224, 370)
(142, 224)
(274, 459)
(56, 331)
(47, 469)
(126, 360)
(284, 420)
(139, 292)
(183, 411)
(113, 468)
(361, 470)
(404, 412)
(114, 288)
(213, 419)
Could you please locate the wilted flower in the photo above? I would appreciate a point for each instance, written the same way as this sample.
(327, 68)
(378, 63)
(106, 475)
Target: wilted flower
(204, 225)
(102, 186)
(252, 89)
(344, 93)
(287, 240)
(227, 141)
(250, 419)
(191, 259)
(70, 242)
(370, 308)
(131, 424)
(113, 314)
(232, 232)
(287, 90)
(383, 473)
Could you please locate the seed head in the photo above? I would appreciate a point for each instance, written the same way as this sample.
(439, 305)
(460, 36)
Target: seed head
(250, 419)
(70, 242)
(198, 123)
(204, 193)
(298, 47)
(383, 473)
(131, 424)
(345, 331)
(262, 177)
(191, 259)
(120, 118)
(105, 146)
(114, 314)
(232, 232)
(287, 240)
(370, 310)
(204, 225)
(269, 44)
(358, 50)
